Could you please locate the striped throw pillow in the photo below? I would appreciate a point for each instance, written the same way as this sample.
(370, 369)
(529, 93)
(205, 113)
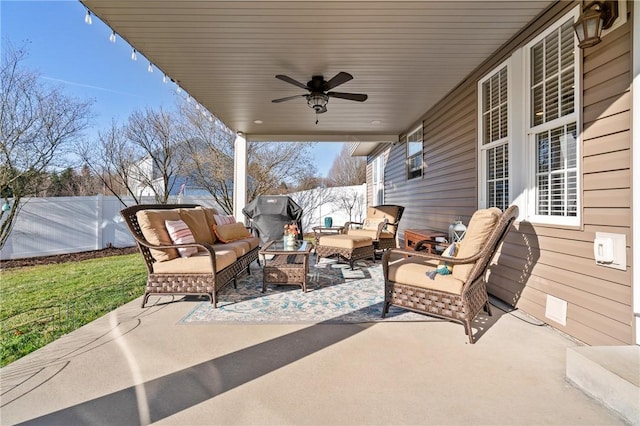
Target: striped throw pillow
(224, 219)
(181, 234)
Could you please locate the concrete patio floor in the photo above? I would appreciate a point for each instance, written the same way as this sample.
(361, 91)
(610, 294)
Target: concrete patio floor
(140, 366)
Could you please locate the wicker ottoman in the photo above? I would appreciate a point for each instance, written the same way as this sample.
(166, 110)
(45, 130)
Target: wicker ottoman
(346, 247)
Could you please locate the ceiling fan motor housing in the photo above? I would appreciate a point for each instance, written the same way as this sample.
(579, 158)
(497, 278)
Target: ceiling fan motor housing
(319, 90)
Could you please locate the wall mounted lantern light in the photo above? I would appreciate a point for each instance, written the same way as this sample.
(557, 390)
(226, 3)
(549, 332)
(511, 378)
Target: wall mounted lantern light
(596, 16)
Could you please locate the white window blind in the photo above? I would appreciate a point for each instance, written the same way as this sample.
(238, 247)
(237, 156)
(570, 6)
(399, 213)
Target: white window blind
(552, 76)
(498, 176)
(494, 140)
(553, 123)
(556, 172)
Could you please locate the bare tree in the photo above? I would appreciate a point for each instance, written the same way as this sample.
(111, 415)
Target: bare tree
(276, 163)
(140, 158)
(347, 170)
(208, 154)
(88, 183)
(155, 133)
(273, 167)
(38, 123)
(352, 202)
(113, 159)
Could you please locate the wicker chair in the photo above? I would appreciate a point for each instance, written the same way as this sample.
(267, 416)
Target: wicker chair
(410, 281)
(381, 225)
(207, 282)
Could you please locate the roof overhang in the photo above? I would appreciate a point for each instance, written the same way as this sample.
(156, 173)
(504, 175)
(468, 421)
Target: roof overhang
(405, 55)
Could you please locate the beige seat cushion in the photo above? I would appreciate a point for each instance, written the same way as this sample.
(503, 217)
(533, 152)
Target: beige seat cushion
(252, 241)
(153, 229)
(372, 224)
(413, 271)
(198, 264)
(240, 248)
(345, 241)
(369, 233)
(481, 225)
(384, 212)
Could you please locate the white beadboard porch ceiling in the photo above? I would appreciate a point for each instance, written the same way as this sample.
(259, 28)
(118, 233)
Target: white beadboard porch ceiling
(406, 55)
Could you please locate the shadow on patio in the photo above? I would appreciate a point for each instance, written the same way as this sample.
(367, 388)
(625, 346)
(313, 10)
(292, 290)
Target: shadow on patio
(138, 366)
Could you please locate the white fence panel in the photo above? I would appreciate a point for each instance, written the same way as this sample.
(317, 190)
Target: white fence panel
(58, 225)
(342, 204)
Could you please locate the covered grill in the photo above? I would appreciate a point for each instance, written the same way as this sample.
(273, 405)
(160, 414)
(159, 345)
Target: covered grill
(269, 213)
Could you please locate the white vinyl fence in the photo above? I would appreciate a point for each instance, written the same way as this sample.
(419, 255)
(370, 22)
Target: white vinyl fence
(58, 225)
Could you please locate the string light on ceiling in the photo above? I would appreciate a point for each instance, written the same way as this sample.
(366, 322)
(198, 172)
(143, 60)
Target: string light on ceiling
(134, 57)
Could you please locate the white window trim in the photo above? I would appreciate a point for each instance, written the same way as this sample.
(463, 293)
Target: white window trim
(482, 177)
(576, 117)
(419, 128)
(378, 185)
(522, 140)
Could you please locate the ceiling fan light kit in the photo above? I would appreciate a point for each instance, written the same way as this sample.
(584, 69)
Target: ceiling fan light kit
(319, 91)
(318, 101)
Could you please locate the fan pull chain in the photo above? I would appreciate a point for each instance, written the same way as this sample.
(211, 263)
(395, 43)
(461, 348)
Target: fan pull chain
(316, 118)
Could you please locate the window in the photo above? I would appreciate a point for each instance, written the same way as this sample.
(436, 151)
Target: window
(553, 124)
(378, 181)
(414, 154)
(556, 175)
(528, 139)
(494, 140)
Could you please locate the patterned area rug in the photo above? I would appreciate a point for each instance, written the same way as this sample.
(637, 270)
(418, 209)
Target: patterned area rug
(335, 294)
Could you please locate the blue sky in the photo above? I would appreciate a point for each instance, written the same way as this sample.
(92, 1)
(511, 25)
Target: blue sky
(81, 59)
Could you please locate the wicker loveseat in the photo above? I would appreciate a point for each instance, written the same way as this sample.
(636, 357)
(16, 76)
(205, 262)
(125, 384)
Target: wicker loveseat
(412, 283)
(215, 264)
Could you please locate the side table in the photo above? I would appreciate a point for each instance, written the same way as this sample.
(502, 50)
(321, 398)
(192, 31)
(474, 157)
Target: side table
(412, 236)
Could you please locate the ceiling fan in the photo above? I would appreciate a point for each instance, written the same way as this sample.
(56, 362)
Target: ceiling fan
(319, 91)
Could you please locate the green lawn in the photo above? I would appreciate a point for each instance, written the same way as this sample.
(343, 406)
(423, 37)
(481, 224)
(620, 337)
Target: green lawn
(41, 303)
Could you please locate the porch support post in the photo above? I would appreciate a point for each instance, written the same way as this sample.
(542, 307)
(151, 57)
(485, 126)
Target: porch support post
(635, 167)
(240, 161)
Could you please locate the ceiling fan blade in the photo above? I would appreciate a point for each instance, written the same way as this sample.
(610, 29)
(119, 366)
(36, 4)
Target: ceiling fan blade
(291, 81)
(360, 97)
(288, 98)
(340, 78)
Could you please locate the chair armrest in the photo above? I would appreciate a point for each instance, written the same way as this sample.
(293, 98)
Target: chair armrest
(432, 256)
(382, 225)
(347, 225)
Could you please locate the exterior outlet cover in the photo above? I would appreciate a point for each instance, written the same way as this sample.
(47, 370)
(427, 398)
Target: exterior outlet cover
(610, 250)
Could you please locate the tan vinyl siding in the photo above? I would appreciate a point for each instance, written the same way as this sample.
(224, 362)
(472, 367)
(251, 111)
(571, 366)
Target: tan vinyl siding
(560, 261)
(540, 260)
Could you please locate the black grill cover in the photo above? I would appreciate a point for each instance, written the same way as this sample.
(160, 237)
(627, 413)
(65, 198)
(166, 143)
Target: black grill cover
(269, 214)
